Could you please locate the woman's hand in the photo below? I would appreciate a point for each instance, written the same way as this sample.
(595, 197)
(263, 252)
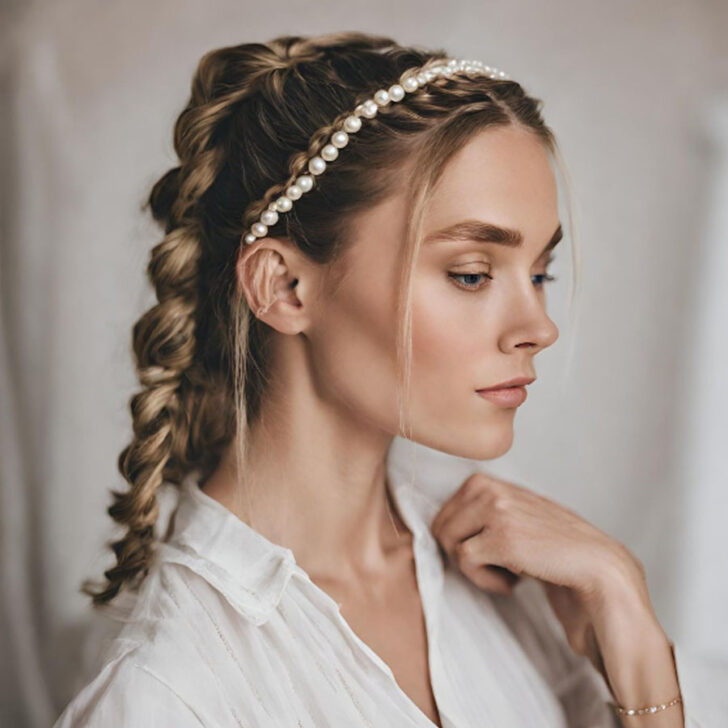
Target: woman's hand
(495, 531)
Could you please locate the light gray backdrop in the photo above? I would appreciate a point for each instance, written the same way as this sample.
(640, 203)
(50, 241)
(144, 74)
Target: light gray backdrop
(627, 424)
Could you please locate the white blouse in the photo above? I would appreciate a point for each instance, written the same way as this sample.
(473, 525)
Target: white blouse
(227, 630)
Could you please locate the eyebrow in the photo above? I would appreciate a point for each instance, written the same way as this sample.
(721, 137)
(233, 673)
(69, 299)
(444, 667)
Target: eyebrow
(485, 232)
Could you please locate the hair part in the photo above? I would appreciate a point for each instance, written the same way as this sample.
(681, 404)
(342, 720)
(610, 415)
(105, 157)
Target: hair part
(256, 113)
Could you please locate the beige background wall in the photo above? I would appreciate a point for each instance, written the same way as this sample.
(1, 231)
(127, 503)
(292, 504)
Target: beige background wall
(627, 424)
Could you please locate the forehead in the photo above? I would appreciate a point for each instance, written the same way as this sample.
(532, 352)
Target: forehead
(502, 175)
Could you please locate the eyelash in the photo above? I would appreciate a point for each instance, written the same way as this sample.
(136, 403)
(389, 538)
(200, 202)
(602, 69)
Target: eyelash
(547, 278)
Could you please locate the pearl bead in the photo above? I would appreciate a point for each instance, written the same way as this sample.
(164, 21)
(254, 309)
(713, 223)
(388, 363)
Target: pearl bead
(421, 78)
(329, 152)
(283, 204)
(352, 124)
(381, 97)
(250, 238)
(410, 84)
(396, 92)
(340, 139)
(316, 165)
(294, 192)
(259, 230)
(429, 75)
(369, 109)
(305, 182)
(269, 217)
(272, 205)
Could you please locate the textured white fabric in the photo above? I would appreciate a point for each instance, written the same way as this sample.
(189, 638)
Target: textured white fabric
(229, 631)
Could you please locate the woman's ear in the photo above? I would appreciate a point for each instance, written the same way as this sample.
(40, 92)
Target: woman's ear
(275, 278)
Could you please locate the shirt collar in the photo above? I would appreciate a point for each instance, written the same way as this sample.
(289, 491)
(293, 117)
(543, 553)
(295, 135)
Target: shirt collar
(250, 570)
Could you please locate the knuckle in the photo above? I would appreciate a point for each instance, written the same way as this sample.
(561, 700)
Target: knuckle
(501, 505)
(463, 551)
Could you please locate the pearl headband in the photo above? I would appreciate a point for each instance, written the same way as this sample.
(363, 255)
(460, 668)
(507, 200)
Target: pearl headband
(409, 81)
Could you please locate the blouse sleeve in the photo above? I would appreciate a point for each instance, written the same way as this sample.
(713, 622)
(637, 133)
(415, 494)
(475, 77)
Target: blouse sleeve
(581, 688)
(704, 688)
(127, 695)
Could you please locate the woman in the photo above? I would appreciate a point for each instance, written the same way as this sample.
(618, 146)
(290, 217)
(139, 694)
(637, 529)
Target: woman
(356, 247)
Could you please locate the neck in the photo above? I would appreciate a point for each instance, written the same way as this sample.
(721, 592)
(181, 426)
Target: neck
(317, 485)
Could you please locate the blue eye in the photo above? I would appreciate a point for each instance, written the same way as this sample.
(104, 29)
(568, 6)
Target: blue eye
(544, 278)
(472, 285)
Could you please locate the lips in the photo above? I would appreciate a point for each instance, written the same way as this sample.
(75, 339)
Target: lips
(517, 382)
(506, 396)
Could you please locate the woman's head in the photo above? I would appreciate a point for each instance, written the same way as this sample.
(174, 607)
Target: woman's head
(389, 328)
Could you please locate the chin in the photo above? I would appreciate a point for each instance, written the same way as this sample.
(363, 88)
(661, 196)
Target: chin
(477, 443)
(490, 448)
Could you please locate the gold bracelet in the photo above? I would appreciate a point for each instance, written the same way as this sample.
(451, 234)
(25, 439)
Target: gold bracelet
(648, 709)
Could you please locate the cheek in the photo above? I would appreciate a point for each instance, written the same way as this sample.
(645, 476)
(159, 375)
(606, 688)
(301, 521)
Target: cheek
(353, 351)
(452, 340)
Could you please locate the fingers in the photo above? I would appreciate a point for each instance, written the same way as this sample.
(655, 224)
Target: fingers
(490, 577)
(466, 493)
(458, 525)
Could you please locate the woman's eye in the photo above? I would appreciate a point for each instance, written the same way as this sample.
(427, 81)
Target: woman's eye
(543, 278)
(471, 279)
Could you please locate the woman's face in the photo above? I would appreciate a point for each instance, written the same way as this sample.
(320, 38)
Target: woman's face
(479, 307)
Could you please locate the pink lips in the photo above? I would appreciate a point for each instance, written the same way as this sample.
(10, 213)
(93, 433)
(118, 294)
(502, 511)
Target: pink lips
(506, 397)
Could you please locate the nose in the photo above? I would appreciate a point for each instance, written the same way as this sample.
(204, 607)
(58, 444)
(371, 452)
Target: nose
(530, 326)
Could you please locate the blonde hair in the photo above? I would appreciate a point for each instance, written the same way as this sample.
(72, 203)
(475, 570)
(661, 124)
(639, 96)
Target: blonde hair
(256, 113)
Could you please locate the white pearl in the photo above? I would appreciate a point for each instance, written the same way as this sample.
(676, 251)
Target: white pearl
(352, 124)
(272, 205)
(369, 109)
(316, 165)
(410, 84)
(250, 238)
(294, 192)
(305, 182)
(396, 92)
(329, 152)
(259, 230)
(381, 97)
(340, 139)
(269, 217)
(421, 78)
(429, 75)
(283, 204)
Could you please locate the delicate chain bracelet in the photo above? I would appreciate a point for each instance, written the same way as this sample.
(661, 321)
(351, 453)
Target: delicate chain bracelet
(648, 709)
